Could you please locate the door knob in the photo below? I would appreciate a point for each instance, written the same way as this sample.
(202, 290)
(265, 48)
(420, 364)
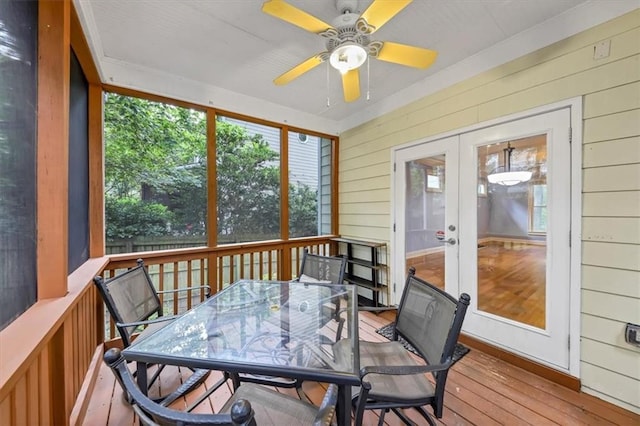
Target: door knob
(451, 241)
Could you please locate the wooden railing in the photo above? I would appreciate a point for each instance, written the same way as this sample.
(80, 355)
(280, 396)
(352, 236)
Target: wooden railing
(46, 352)
(51, 354)
(216, 267)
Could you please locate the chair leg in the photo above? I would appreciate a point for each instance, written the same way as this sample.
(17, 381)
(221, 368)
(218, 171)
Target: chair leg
(360, 405)
(381, 418)
(190, 384)
(301, 394)
(207, 394)
(407, 421)
(155, 375)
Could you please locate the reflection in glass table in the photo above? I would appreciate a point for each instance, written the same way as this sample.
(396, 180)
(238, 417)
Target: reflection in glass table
(265, 328)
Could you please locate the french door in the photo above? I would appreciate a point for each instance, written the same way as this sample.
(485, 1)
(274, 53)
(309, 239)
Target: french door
(487, 212)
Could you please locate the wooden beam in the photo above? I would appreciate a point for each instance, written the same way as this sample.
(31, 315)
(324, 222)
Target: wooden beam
(285, 261)
(53, 147)
(284, 186)
(96, 172)
(212, 200)
(124, 91)
(335, 213)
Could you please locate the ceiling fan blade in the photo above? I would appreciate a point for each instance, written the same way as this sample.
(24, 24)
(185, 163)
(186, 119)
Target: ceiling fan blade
(351, 85)
(380, 11)
(283, 10)
(299, 69)
(403, 54)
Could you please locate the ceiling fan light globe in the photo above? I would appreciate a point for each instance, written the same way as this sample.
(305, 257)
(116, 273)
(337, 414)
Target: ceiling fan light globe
(509, 178)
(347, 57)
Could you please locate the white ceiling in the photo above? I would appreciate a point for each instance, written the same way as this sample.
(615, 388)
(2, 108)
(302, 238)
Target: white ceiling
(226, 53)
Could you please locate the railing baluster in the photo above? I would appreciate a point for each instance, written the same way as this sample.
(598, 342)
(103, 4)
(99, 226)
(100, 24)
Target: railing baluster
(251, 262)
(161, 283)
(189, 284)
(220, 269)
(176, 285)
(202, 279)
(232, 269)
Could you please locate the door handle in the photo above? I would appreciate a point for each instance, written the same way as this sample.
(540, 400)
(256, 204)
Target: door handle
(451, 241)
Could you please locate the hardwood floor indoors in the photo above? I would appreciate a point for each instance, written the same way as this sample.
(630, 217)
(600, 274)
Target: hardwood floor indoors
(511, 278)
(481, 390)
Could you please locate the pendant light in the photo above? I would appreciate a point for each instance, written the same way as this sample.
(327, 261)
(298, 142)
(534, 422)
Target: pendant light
(508, 177)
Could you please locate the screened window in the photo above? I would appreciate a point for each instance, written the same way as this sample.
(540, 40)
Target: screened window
(155, 175)
(309, 185)
(18, 118)
(78, 167)
(248, 181)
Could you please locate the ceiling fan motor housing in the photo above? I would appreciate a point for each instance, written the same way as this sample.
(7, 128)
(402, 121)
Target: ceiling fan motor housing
(346, 31)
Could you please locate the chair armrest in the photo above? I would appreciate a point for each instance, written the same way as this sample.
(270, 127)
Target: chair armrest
(403, 369)
(147, 322)
(177, 290)
(328, 406)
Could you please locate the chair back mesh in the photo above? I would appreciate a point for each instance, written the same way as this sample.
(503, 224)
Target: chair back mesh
(328, 269)
(131, 297)
(425, 318)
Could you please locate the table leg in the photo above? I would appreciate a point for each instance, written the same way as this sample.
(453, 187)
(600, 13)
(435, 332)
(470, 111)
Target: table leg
(142, 377)
(343, 408)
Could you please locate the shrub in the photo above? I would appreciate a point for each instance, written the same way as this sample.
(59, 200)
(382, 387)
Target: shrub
(130, 217)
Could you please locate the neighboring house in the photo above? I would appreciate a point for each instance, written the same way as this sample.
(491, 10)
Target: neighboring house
(309, 164)
(303, 164)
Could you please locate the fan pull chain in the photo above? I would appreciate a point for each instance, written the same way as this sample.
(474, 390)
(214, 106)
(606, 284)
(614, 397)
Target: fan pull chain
(328, 73)
(368, 77)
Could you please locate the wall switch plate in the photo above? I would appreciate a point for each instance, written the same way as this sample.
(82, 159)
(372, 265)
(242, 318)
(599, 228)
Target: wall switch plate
(632, 334)
(601, 50)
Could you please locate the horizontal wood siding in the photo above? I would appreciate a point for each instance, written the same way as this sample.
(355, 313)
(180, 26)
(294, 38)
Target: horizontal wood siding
(610, 89)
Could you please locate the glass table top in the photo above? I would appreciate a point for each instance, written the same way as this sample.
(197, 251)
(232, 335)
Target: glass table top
(266, 327)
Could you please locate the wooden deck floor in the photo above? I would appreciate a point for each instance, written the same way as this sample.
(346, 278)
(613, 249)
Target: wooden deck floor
(481, 390)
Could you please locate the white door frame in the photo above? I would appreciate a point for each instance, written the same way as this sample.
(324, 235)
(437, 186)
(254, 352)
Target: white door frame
(549, 343)
(448, 147)
(575, 106)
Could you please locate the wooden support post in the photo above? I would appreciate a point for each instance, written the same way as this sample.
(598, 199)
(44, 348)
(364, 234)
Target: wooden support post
(53, 147)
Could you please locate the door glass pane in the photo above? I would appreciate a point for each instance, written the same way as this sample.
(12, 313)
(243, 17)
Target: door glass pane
(512, 229)
(425, 217)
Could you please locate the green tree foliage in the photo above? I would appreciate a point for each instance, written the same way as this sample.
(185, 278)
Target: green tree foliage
(248, 185)
(154, 153)
(131, 217)
(156, 176)
(303, 208)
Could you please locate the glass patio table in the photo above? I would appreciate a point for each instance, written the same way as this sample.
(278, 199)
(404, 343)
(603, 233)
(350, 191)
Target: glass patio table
(271, 328)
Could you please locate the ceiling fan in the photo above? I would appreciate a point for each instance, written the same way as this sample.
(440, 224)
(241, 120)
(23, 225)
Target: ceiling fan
(348, 40)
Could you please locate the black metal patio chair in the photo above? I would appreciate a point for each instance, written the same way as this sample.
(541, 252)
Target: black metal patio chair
(324, 269)
(430, 320)
(316, 268)
(133, 303)
(249, 405)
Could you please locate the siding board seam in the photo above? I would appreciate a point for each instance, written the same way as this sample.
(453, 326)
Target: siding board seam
(608, 369)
